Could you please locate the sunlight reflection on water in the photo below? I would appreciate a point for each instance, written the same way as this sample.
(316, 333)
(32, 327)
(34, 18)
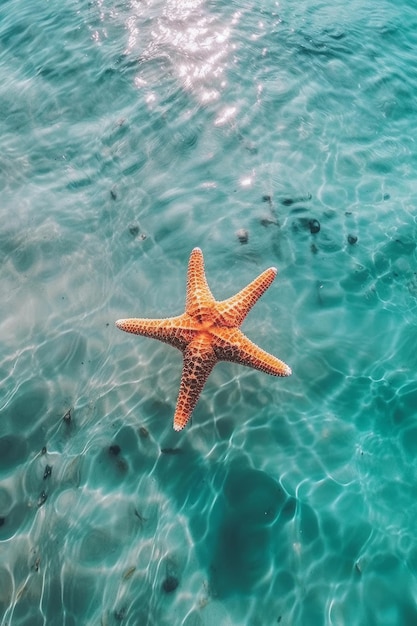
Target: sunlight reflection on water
(196, 45)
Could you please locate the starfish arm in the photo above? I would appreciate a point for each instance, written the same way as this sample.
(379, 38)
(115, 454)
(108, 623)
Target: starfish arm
(199, 360)
(199, 299)
(232, 345)
(177, 331)
(234, 310)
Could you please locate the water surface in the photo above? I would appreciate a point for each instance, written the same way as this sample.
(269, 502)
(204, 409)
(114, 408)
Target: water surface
(132, 132)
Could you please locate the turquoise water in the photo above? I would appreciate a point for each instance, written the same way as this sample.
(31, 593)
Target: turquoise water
(132, 132)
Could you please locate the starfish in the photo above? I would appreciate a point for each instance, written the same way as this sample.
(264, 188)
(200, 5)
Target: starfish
(208, 332)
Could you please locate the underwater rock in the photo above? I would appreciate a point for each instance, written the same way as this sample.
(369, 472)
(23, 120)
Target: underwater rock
(114, 449)
(352, 239)
(171, 451)
(290, 201)
(114, 453)
(134, 230)
(308, 223)
(314, 226)
(243, 235)
(67, 417)
(143, 432)
(42, 498)
(47, 472)
(2, 521)
(268, 221)
(36, 564)
(170, 584)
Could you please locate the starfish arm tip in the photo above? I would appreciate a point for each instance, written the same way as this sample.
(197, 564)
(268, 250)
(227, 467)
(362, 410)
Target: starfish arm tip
(180, 420)
(119, 323)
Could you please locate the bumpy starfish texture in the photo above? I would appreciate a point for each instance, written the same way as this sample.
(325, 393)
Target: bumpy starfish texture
(208, 332)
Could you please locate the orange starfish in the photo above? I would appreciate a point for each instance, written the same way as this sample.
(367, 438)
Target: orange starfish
(208, 332)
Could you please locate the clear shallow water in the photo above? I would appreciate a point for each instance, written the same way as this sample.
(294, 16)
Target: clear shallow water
(132, 132)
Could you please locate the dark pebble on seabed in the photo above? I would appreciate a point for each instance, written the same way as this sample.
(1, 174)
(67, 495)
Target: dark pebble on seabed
(314, 226)
(171, 450)
(243, 235)
(43, 451)
(114, 449)
(290, 201)
(2, 521)
(120, 615)
(352, 239)
(310, 224)
(267, 198)
(267, 221)
(143, 432)
(47, 472)
(170, 584)
(67, 417)
(113, 194)
(42, 498)
(134, 230)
